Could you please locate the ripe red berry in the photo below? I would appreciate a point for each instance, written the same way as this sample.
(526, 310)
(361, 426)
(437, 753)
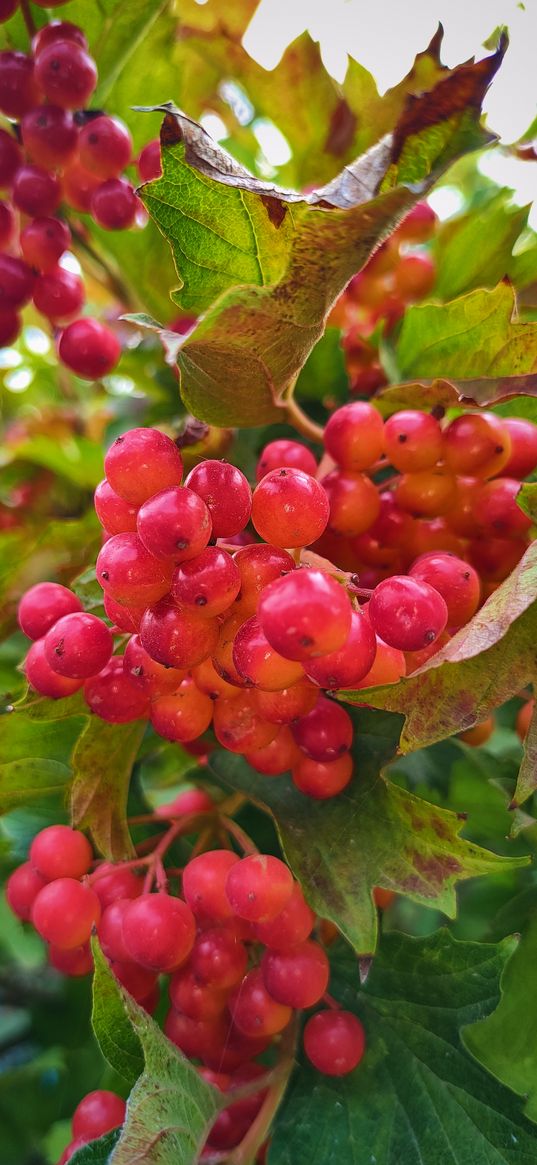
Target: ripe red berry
(58, 295)
(238, 725)
(254, 1011)
(478, 444)
(61, 852)
(124, 618)
(258, 887)
(322, 779)
(142, 462)
(207, 583)
(16, 283)
(97, 1113)
(413, 440)
(78, 645)
(226, 494)
(114, 513)
(291, 926)
(49, 135)
(111, 882)
(196, 999)
(182, 715)
(353, 500)
(129, 573)
(354, 436)
(497, 511)
(36, 191)
(414, 277)
(114, 204)
(334, 1042)
(454, 579)
(275, 758)
(43, 242)
(110, 929)
(258, 565)
(43, 678)
(18, 89)
(288, 705)
(42, 605)
(326, 732)
(259, 664)
(418, 225)
(289, 508)
(298, 977)
(204, 881)
(159, 931)
(523, 457)
(8, 225)
(10, 158)
(78, 186)
(65, 912)
(305, 614)
(113, 697)
(175, 637)
(105, 146)
(149, 162)
(346, 667)
(174, 524)
(146, 674)
(407, 613)
(57, 30)
(218, 958)
(285, 455)
(189, 801)
(22, 888)
(75, 963)
(89, 348)
(66, 74)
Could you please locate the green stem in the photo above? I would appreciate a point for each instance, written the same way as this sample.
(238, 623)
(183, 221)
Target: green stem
(301, 422)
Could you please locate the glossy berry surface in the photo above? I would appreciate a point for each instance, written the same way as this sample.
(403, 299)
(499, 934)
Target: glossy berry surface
(65, 911)
(305, 614)
(334, 1042)
(128, 572)
(175, 637)
(207, 583)
(298, 977)
(89, 348)
(97, 1113)
(158, 931)
(111, 695)
(326, 732)
(407, 613)
(285, 454)
(60, 852)
(78, 645)
(22, 888)
(42, 605)
(174, 524)
(289, 508)
(204, 884)
(45, 679)
(258, 887)
(226, 493)
(141, 462)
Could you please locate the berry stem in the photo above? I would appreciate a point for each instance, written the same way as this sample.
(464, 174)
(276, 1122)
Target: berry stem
(239, 835)
(28, 18)
(245, 1153)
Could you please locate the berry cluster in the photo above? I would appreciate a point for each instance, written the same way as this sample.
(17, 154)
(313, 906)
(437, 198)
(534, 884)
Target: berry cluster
(57, 152)
(399, 273)
(236, 947)
(243, 637)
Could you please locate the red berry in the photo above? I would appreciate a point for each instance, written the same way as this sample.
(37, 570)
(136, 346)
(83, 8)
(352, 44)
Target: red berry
(42, 605)
(218, 958)
(129, 573)
(146, 674)
(123, 618)
(149, 162)
(43, 679)
(289, 508)
(259, 664)
(305, 615)
(418, 225)
(414, 276)
(523, 457)
(226, 494)
(238, 725)
(18, 90)
(298, 977)
(325, 733)
(454, 579)
(43, 242)
(190, 801)
(65, 912)
(111, 882)
(57, 30)
(79, 186)
(254, 1011)
(413, 440)
(334, 1041)
(174, 524)
(159, 931)
(61, 852)
(58, 295)
(142, 462)
(258, 565)
(89, 348)
(36, 191)
(346, 667)
(292, 925)
(204, 882)
(353, 500)
(407, 613)
(183, 715)
(478, 444)
(66, 74)
(497, 511)
(354, 436)
(110, 929)
(75, 963)
(207, 583)
(196, 999)
(78, 645)
(97, 1113)
(114, 204)
(175, 637)
(275, 758)
(16, 283)
(114, 513)
(8, 225)
(113, 697)
(49, 135)
(10, 158)
(22, 888)
(322, 779)
(258, 887)
(285, 454)
(105, 146)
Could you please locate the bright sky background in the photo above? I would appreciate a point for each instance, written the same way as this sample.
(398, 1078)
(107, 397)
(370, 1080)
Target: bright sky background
(385, 35)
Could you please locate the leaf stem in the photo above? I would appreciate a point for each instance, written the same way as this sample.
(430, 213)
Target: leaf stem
(302, 423)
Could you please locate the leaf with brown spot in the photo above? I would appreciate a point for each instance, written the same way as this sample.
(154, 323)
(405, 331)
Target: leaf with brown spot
(102, 762)
(454, 394)
(373, 834)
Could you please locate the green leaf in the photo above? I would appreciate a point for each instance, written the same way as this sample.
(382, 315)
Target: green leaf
(117, 1039)
(96, 1152)
(35, 756)
(170, 1108)
(74, 457)
(372, 834)
(527, 776)
(58, 549)
(474, 336)
(475, 249)
(102, 766)
(486, 662)
(278, 260)
(418, 1097)
(506, 1041)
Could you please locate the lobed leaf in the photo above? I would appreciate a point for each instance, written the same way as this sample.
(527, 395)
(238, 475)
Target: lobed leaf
(372, 834)
(418, 1096)
(102, 760)
(277, 260)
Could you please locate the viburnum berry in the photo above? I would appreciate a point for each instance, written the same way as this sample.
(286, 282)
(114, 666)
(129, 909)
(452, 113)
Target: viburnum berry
(176, 637)
(139, 981)
(78, 645)
(60, 852)
(16, 283)
(114, 513)
(66, 74)
(418, 225)
(49, 135)
(354, 436)
(149, 162)
(58, 295)
(22, 888)
(204, 885)
(322, 779)
(523, 457)
(291, 926)
(196, 999)
(140, 463)
(226, 493)
(36, 191)
(413, 440)
(305, 614)
(287, 705)
(258, 887)
(182, 715)
(111, 695)
(238, 725)
(78, 186)
(98, 1113)
(105, 146)
(276, 757)
(43, 241)
(124, 618)
(326, 732)
(111, 882)
(407, 612)
(346, 667)
(253, 1009)
(218, 958)
(259, 663)
(174, 524)
(353, 500)
(478, 444)
(207, 583)
(298, 977)
(42, 605)
(43, 678)
(75, 963)
(497, 511)
(189, 801)
(159, 931)
(57, 30)
(89, 348)
(334, 1042)
(289, 508)
(10, 158)
(110, 929)
(285, 454)
(145, 673)
(130, 573)
(258, 565)
(65, 912)
(454, 579)
(19, 91)
(114, 204)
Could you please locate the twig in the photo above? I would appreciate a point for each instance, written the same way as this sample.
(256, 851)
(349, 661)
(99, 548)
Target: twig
(301, 422)
(245, 1153)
